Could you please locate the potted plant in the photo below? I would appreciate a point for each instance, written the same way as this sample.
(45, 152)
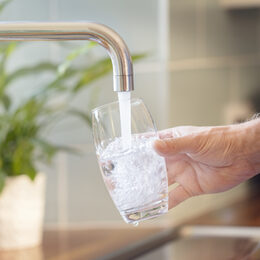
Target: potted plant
(24, 144)
(23, 141)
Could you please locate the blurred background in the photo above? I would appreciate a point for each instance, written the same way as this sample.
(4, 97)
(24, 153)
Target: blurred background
(201, 68)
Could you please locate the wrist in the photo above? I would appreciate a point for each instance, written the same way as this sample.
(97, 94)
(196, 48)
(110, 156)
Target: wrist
(251, 137)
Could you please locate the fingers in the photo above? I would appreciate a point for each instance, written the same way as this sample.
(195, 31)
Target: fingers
(180, 131)
(182, 139)
(173, 146)
(167, 133)
(178, 195)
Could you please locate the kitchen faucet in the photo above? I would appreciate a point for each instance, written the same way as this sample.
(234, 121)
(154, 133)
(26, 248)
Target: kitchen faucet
(62, 31)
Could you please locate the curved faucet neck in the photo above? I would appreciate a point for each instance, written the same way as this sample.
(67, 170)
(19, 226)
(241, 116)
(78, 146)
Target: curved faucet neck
(61, 31)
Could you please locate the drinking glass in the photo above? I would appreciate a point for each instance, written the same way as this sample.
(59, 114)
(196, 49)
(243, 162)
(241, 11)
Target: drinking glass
(136, 175)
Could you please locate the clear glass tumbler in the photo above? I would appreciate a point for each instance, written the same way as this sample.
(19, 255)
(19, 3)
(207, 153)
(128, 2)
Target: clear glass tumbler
(135, 176)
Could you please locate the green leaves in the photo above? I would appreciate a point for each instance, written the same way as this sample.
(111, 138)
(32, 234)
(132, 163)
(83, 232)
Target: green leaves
(23, 161)
(92, 73)
(6, 49)
(82, 50)
(23, 140)
(6, 101)
(2, 180)
(30, 70)
(82, 115)
(46, 151)
(3, 4)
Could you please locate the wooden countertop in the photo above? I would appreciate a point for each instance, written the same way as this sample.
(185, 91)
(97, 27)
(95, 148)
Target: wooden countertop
(80, 244)
(90, 244)
(97, 243)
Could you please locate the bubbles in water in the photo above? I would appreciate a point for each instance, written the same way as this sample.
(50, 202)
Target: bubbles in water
(107, 167)
(138, 175)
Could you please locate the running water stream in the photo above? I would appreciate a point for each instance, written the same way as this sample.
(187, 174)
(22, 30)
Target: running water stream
(124, 99)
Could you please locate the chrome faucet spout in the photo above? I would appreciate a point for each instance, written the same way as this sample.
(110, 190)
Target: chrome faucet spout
(61, 31)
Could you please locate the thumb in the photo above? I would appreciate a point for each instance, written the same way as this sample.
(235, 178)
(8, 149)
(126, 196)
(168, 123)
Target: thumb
(172, 146)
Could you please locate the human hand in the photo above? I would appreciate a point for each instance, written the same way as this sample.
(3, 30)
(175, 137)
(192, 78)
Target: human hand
(209, 159)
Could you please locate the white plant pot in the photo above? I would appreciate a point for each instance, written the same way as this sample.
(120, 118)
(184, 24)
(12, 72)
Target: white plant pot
(21, 212)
